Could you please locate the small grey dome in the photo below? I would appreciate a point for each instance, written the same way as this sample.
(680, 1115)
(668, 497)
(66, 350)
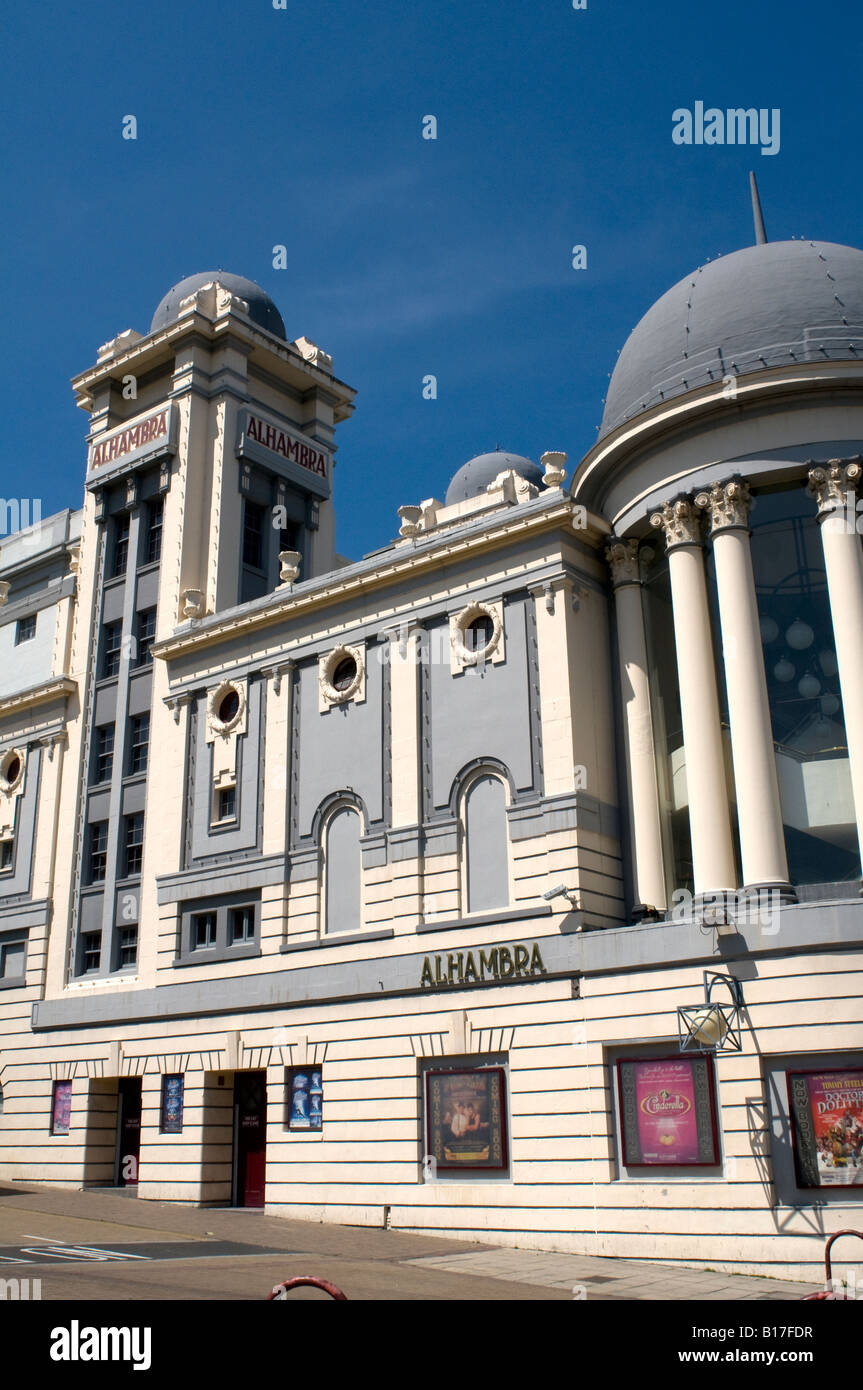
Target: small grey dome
(474, 476)
(262, 310)
(766, 306)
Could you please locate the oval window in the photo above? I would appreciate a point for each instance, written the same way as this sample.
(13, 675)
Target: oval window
(12, 769)
(345, 674)
(228, 706)
(478, 633)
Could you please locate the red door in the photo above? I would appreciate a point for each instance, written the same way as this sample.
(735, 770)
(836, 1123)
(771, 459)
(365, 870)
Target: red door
(250, 1137)
(129, 1133)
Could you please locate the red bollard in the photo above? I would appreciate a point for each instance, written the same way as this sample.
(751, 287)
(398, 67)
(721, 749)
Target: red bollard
(281, 1290)
(827, 1293)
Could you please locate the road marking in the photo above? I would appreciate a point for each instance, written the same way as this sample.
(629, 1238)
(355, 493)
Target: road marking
(148, 1251)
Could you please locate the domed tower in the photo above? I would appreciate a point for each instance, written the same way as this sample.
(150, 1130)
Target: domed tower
(208, 487)
(246, 447)
(476, 476)
(728, 466)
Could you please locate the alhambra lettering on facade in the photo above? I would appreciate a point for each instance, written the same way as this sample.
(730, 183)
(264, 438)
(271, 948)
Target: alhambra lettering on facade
(133, 438)
(500, 963)
(278, 442)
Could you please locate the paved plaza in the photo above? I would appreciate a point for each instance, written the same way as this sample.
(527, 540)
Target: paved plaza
(103, 1245)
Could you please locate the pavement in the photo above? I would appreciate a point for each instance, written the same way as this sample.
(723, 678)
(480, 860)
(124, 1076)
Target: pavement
(103, 1244)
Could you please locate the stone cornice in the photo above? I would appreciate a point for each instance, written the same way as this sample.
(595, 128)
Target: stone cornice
(701, 408)
(340, 975)
(395, 564)
(246, 338)
(57, 687)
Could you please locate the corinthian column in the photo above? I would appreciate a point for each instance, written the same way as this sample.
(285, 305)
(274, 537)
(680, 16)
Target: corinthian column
(834, 486)
(647, 869)
(709, 818)
(762, 838)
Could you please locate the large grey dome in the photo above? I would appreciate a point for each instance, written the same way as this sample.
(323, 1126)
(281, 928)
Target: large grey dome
(262, 310)
(767, 306)
(474, 476)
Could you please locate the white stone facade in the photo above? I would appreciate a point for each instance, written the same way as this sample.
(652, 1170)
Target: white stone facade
(265, 827)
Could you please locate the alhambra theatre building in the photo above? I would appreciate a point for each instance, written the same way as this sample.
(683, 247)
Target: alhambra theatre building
(503, 883)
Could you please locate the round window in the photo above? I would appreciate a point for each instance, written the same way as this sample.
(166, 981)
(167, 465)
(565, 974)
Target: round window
(12, 768)
(345, 674)
(228, 706)
(478, 633)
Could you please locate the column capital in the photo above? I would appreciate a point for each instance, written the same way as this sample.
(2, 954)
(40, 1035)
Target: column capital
(831, 483)
(622, 557)
(680, 520)
(726, 505)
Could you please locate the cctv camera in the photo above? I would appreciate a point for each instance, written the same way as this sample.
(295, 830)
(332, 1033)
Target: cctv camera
(561, 891)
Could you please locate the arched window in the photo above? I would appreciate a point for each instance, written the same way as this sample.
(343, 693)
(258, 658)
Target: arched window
(342, 871)
(486, 857)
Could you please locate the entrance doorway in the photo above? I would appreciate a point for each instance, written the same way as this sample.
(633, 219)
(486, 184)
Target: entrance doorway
(128, 1130)
(250, 1138)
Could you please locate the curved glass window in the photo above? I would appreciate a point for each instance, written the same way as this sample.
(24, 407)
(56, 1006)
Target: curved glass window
(667, 724)
(803, 688)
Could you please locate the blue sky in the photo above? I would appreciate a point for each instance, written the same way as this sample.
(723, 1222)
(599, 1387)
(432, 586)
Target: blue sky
(406, 257)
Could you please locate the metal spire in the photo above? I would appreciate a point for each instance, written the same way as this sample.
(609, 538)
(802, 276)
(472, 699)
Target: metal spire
(760, 234)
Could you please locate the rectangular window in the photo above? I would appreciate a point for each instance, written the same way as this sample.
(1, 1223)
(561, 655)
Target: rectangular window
(134, 843)
(304, 1098)
(112, 640)
(98, 851)
(7, 855)
(219, 929)
(226, 803)
(127, 954)
(171, 1121)
(91, 951)
(289, 539)
(203, 930)
(61, 1107)
(120, 551)
(146, 636)
(12, 960)
(466, 1127)
(25, 629)
(253, 535)
(241, 924)
(155, 512)
(104, 752)
(139, 743)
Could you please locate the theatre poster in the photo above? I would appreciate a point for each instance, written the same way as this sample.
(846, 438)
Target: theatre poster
(466, 1119)
(668, 1111)
(827, 1125)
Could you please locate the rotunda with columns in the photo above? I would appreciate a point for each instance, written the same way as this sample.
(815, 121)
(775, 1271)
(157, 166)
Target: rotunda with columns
(728, 466)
